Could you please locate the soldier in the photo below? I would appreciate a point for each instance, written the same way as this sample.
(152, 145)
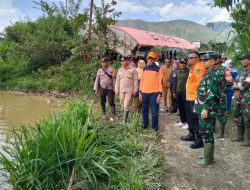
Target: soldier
(206, 105)
(126, 85)
(104, 85)
(224, 78)
(242, 95)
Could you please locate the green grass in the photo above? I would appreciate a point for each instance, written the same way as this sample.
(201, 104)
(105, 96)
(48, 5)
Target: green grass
(74, 150)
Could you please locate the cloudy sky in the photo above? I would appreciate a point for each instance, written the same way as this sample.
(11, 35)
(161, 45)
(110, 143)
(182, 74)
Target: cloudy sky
(200, 11)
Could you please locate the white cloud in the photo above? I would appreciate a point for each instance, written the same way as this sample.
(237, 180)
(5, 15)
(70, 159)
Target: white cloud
(8, 14)
(199, 11)
(223, 16)
(130, 7)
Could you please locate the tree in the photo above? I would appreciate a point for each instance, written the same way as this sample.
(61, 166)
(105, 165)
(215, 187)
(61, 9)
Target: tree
(105, 15)
(240, 12)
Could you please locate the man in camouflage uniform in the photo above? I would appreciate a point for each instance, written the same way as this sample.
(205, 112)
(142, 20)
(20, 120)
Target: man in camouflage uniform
(224, 78)
(242, 95)
(105, 86)
(206, 106)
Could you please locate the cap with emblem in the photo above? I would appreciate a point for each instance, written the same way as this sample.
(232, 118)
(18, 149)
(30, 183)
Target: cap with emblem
(207, 56)
(245, 56)
(126, 57)
(106, 59)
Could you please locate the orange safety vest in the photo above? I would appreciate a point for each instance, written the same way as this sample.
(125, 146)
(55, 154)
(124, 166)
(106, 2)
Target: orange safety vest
(194, 77)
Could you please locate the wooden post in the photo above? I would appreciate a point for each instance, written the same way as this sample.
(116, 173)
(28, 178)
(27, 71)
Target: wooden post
(90, 18)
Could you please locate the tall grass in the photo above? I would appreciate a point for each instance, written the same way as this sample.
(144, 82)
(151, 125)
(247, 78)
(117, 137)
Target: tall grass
(70, 150)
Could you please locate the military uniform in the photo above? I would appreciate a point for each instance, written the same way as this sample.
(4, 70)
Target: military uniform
(208, 98)
(242, 109)
(223, 78)
(105, 84)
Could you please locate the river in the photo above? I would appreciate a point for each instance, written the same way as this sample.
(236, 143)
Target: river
(17, 109)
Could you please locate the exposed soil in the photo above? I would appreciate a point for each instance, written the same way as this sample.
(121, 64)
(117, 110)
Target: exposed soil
(231, 169)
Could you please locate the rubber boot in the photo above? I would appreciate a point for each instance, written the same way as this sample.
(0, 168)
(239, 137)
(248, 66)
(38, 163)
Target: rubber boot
(208, 156)
(240, 134)
(221, 130)
(104, 116)
(114, 116)
(247, 137)
(125, 116)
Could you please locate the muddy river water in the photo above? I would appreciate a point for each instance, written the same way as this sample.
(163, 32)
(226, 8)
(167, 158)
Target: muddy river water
(17, 109)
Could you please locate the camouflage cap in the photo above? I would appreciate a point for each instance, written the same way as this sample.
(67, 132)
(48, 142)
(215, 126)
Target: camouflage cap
(218, 55)
(207, 56)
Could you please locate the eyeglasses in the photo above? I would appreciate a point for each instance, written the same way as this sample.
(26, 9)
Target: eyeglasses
(191, 58)
(150, 58)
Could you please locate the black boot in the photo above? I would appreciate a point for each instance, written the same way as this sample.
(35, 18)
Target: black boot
(103, 112)
(114, 117)
(189, 137)
(125, 116)
(198, 142)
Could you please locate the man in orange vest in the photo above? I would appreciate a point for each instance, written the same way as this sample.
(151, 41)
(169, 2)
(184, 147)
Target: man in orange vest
(151, 91)
(194, 77)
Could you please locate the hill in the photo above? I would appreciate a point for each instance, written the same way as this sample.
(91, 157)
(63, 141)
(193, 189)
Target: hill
(182, 28)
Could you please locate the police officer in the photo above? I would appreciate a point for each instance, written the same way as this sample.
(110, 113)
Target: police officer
(206, 106)
(104, 85)
(126, 85)
(194, 77)
(242, 95)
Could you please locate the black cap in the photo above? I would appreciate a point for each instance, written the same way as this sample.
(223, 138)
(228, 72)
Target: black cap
(245, 56)
(106, 59)
(126, 57)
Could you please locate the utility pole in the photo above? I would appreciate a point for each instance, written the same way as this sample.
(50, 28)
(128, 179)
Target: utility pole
(90, 18)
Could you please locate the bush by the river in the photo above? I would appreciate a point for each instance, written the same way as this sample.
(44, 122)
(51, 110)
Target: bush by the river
(72, 150)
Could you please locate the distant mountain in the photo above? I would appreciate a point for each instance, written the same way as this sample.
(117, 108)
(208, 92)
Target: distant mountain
(182, 28)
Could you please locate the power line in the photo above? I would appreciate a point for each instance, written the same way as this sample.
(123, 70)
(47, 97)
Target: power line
(163, 17)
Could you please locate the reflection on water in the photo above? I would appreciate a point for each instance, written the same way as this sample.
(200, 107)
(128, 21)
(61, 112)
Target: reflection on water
(16, 110)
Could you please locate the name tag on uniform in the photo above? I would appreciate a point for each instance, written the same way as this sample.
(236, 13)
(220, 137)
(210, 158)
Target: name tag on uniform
(198, 72)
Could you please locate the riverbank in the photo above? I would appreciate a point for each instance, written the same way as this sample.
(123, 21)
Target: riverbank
(61, 95)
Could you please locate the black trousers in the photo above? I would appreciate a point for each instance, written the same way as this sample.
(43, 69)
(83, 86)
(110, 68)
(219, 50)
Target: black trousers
(174, 103)
(192, 119)
(181, 101)
(104, 93)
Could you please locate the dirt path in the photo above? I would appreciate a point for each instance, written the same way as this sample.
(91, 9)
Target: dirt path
(231, 169)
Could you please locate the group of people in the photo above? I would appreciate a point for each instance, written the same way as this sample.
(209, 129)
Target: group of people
(198, 87)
